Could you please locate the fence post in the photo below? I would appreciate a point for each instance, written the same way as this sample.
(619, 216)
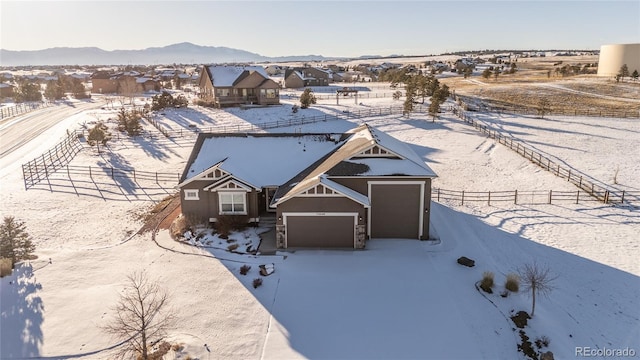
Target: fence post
(489, 201)
(24, 177)
(577, 196)
(90, 173)
(439, 195)
(134, 175)
(112, 173)
(515, 198)
(156, 177)
(462, 197)
(622, 201)
(606, 196)
(569, 177)
(550, 195)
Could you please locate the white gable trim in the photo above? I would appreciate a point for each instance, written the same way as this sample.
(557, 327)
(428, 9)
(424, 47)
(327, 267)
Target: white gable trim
(230, 184)
(203, 175)
(337, 190)
(376, 151)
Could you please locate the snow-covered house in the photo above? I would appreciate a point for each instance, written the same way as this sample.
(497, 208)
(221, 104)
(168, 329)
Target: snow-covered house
(300, 77)
(6, 90)
(227, 85)
(325, 190)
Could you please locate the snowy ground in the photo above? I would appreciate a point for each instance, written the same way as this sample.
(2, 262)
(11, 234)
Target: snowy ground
(396, 299)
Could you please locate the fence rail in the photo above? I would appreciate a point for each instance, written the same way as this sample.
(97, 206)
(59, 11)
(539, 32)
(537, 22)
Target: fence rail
(54, 159)
(584, 183)
(535, 197)
(129, 173)
(347, 115)
(9, 111)
(528, 110)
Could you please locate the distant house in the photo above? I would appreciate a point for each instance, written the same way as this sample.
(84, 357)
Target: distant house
(104, 82)
(227, 85)
(301, 77)
(145, 84)
(324, 190)
(6, 90)
(273, 70)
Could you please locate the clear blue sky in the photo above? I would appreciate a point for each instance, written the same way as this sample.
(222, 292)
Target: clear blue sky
(329, 28)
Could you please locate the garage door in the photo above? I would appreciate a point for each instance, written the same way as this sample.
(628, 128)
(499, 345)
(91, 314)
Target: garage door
(320, 231)
(395, 211)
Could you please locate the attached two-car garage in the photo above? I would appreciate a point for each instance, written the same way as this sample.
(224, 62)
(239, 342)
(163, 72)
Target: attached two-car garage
(320, 230)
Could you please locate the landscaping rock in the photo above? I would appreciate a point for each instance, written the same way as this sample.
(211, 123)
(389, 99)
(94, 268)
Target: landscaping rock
(266, 270)
(546, 356)
(463, 260)
(520, 319)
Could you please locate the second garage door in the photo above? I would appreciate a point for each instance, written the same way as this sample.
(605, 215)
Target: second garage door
(326, 231)
(395, 211)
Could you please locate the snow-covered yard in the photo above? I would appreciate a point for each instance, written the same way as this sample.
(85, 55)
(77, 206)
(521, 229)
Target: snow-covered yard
(395, 299)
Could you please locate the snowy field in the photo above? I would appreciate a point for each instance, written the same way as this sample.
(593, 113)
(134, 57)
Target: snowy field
(396, 299)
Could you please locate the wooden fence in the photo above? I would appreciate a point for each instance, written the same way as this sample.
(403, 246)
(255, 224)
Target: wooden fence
(569, 111)
(536, 197)
(128, 173)
(361, 113)
(9, 111)
(586, 184)
(54, 159)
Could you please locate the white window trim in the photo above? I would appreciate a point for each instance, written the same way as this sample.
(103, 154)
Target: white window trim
(192, 194)
(244, 202)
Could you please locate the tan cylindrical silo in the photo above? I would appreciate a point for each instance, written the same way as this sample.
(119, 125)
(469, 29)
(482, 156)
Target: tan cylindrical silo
(612, 57)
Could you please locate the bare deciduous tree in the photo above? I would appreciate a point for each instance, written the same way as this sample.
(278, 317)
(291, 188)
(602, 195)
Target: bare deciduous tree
(544, 106)
(538, 279)
(142, 318)
(128, 87)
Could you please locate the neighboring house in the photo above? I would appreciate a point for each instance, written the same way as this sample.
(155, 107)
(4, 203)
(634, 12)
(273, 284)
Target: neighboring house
(236, 85)
(145, 84)
(104, 83)
(6, 90)
(301, 77)
(273, 70)
(326, 190)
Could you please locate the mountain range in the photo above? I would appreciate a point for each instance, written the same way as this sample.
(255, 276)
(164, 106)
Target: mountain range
(182, 53)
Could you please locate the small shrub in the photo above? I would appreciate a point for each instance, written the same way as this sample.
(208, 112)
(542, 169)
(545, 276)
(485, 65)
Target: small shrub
(542, 342)
(244, 269)
(257, 282)
(226, 223)
(5, 267)
(512, 283)
(205, 103)
(177, 347)
(179, 226)
(487, 282)
(232, 247)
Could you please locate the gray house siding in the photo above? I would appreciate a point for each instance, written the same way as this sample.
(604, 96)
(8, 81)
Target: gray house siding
(206, 208)
(361, 185)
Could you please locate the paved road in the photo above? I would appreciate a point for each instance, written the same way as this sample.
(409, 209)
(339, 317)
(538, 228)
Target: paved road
(19, 130)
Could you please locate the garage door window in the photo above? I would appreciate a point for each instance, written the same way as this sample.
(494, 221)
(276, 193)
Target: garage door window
(234, 203)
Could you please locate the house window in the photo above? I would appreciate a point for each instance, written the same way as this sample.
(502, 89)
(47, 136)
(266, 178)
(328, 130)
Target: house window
(233, 203)
(191, 195)
(222, 92)
(272, 93)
